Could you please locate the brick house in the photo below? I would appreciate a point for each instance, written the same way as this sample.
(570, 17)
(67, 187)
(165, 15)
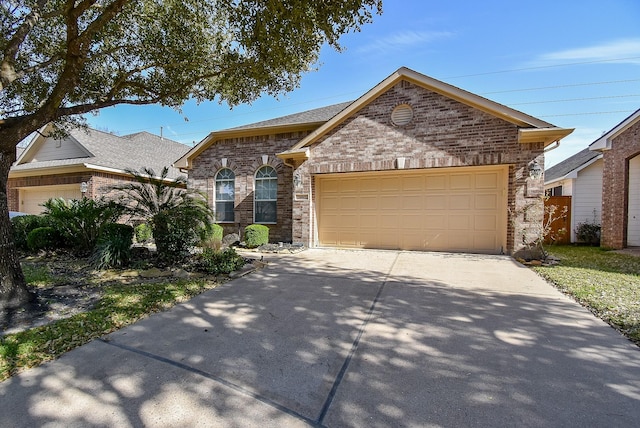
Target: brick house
(414, 163)
(85, 163)
(620, 148)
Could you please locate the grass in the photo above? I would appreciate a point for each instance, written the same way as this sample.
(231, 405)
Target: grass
(121, 305)
(606, 282)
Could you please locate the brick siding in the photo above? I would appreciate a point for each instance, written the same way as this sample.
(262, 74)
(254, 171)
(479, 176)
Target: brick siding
(615, 186)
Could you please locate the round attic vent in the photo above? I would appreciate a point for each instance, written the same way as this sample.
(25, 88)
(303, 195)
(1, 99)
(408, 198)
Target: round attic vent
(402, 114)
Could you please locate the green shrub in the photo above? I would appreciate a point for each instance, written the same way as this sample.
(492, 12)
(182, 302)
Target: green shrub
(114, 246)
(220, 262)
(211, 234)
(174, 231)
(42, 238)
(256, 235)
(80, 221)
(143, 233)
(22, 225)
(588, 232)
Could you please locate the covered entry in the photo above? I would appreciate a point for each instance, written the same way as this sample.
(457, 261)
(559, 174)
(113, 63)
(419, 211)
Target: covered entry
(444, 209)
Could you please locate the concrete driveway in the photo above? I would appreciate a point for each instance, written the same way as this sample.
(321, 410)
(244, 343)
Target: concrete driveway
(348, 338)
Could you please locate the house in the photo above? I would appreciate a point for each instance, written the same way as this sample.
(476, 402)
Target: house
(579, 176)
(620, 150)
(414, 163)
(85, 163)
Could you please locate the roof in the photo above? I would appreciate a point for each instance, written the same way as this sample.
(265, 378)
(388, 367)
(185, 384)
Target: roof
(109, 152)
(573, 163)
(604, 142)
(321, 121)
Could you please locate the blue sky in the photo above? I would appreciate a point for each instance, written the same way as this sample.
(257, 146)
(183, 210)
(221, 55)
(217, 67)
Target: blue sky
(574, 63)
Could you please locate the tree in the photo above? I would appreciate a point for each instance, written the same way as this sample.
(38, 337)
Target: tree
(176, 214)
(63, 58)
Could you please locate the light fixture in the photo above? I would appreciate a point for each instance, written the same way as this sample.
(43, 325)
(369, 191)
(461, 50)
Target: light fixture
(83, 187)
(535, 170)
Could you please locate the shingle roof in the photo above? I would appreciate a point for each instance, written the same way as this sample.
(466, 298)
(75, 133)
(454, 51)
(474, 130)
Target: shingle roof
(566, 166)
(132, 151)
(321, 114)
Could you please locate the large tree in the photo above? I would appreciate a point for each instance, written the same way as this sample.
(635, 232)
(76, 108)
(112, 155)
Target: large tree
(63, 58)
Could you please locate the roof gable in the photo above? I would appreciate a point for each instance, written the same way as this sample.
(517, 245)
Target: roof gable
(604, 142)
(536, 130)
(50, 149)
(570, 166)
(105, 152)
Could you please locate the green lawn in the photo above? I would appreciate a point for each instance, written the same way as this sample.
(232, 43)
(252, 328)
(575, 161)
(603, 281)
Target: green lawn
(607, 283)
(120, 305)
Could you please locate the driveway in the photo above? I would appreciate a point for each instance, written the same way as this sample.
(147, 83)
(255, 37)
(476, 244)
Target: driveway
(348, 338)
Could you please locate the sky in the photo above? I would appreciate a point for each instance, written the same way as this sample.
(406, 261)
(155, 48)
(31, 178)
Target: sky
(573, 63)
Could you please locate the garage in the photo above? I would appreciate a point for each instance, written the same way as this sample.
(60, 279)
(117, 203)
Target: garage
(443, 209)
(32, 198)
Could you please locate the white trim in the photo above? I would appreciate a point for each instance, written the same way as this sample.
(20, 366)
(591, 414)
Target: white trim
(574, 172)
(604, 142)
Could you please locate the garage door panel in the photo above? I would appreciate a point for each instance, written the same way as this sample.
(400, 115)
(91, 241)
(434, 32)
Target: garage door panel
(455, 209)
(31, 199)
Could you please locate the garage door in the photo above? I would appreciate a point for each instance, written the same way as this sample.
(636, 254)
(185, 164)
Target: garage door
(452, 209)
(31, 199)
(633, 216)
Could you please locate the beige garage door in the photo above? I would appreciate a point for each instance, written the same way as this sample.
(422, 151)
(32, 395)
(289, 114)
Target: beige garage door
(31, 199)
(452, 209)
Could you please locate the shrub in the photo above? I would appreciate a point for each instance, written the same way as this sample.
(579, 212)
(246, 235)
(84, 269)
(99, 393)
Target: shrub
(174, 231)
(211, 235)
(81, 221)
(220, 262)
(588, 232)
(143, 233)
(42, 238)
(114, 246)
(22, 225)
(256, 235)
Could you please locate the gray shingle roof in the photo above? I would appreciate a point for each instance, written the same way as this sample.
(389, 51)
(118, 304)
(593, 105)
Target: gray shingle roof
(132, 151)
(321, 114)
(569, 164)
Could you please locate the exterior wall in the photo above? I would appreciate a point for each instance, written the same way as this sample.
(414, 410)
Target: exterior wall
(567, 186)
(615, 186)
(443, 133)
(587, 197)
(97, 184)
(244, 157)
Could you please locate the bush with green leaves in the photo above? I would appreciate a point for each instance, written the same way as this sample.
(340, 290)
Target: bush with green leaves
(22, 225)
(80, 221)
(176, 215)
(211, 234)
(588, 232)
(114, 246)
(219, 262)
(42, 238)
(256, 235)
(143, 233)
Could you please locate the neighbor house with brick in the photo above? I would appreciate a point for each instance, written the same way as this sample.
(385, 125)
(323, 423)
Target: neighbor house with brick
(84, 163)
(620, 149)
(414, 163)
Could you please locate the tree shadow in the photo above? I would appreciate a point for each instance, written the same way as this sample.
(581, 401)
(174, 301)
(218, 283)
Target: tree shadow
(423, 349)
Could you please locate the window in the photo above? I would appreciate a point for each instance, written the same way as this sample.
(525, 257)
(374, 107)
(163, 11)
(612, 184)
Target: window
(266, 193)
(225, 195)
(554, 191)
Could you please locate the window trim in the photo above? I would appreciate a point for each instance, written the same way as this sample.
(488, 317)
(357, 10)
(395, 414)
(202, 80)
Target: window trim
(255, 180)
(215, 192)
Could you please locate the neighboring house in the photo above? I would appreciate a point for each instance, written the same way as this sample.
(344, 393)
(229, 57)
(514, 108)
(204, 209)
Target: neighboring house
(413, 164)
(620, 148)
(579, 176)
(85, 163)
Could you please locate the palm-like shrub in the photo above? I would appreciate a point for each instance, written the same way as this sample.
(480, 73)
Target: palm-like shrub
(80, 221)
(176, 215)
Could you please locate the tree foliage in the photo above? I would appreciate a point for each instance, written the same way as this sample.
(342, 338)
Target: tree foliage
(60, 59)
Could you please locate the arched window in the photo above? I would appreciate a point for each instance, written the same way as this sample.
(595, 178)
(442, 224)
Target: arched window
(265, 195)
(225, 195)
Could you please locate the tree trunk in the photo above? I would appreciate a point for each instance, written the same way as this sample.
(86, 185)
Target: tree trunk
(13, 290)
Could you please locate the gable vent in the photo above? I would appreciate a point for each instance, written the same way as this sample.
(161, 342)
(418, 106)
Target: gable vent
(402, 114)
